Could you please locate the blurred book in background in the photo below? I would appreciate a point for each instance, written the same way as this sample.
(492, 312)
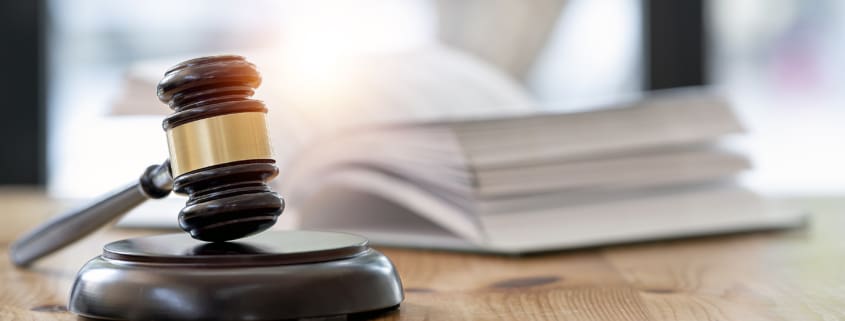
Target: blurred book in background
(650, 169)
(508, 178)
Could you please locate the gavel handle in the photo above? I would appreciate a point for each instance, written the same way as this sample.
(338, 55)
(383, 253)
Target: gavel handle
(69, 227)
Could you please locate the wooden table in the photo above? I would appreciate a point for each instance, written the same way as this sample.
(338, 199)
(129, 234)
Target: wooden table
(787, 275)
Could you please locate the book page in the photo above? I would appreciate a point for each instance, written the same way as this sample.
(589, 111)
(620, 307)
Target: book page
(664, 119)
(324, 204)
(380, 220)
(690, 212)
(637, 169)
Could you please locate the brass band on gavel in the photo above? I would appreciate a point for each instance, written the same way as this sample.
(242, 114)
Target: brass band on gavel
(218, 140)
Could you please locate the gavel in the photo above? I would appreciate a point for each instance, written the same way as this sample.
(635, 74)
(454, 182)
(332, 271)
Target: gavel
(220, 156)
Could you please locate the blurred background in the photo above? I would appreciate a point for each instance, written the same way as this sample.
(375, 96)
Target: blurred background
(81, 118)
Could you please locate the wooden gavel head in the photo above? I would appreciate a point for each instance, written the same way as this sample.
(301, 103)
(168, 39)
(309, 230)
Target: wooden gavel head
(220, 154)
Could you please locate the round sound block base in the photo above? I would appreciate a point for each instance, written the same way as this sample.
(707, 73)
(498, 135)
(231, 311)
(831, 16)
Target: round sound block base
(270, 276)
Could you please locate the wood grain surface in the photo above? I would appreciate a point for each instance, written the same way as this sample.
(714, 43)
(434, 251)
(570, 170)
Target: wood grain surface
(783, 275)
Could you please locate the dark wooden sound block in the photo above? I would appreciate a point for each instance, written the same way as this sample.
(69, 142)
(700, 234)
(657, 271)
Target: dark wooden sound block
(270, 276)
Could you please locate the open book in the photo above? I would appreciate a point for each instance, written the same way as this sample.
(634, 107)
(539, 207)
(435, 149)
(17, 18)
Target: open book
(397, 148)
(647, 170)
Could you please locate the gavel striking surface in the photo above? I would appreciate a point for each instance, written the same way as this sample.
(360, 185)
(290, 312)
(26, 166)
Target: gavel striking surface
(270, 276)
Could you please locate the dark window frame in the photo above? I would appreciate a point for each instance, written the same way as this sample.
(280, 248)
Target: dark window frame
(23, 122)
(675, 43)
